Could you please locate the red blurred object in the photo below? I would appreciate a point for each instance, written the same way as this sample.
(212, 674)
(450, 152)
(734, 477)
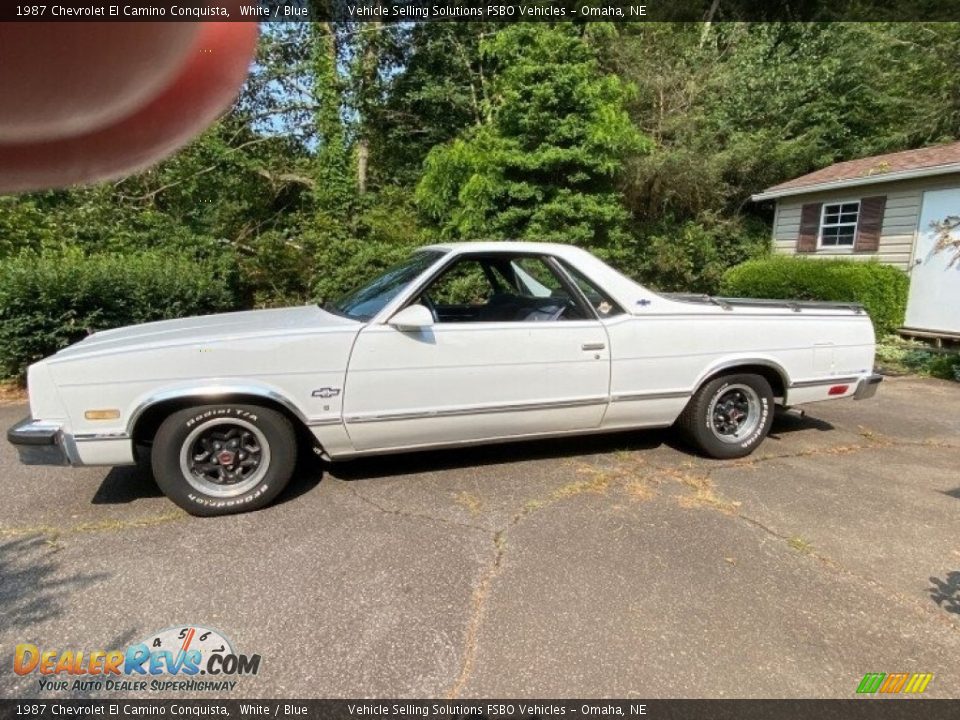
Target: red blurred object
(838, 390)
(85, 102)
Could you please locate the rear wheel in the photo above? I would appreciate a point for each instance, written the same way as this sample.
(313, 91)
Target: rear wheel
(222, 459)
(730, 415)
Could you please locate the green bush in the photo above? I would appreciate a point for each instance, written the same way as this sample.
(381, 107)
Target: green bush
(693, 256)
(49, 300)
(899, 355)
(882, 289)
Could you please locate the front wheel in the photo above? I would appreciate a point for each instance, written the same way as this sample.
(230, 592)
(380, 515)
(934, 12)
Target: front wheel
(729, 416)
(222, 459)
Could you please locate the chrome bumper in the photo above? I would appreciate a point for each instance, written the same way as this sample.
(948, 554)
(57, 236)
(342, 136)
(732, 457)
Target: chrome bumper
(867, 387)
(39, 442)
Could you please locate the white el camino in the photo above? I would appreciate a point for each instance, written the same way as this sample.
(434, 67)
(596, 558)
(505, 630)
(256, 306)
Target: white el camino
(460, 344)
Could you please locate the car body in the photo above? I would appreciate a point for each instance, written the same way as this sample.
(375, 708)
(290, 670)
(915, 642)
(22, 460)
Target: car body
(464, 343)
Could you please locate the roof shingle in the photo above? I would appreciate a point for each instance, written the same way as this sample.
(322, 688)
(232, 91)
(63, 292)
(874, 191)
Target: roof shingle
(876, 166)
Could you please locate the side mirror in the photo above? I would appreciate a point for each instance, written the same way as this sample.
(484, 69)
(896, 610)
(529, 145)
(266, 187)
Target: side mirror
(412, 317)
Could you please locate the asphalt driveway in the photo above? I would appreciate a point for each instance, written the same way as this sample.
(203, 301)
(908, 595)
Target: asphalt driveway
(615, 566)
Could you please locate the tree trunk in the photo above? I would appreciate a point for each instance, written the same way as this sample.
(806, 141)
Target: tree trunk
(708, 22)
(363, 159)
(369, 68)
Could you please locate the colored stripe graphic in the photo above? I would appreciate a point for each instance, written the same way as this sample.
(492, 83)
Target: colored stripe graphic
(918, 682)
(871, 682)
(894, 683)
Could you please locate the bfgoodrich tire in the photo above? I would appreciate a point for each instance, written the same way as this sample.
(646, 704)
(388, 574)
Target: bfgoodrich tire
(223, 459)
(729, 416)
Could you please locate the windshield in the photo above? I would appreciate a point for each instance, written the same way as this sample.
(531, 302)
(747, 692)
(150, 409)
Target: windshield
(367, 300)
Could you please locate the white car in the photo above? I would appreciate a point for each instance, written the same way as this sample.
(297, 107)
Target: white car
(460, 344)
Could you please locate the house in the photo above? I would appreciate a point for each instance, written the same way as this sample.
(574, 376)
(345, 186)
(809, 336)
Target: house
(899, 209)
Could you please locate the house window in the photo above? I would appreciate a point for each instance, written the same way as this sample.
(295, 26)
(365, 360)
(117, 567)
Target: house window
(838, 225)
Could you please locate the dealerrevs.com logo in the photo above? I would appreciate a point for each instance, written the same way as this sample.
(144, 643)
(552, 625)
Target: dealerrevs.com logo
(180, 659)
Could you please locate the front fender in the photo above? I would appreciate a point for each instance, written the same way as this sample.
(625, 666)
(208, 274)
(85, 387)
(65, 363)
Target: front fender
(211, 391)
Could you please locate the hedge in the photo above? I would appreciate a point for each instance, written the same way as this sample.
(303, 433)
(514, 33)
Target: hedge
(882, 289)
(52, 299)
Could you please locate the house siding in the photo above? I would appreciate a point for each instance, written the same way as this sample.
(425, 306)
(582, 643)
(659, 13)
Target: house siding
(904, 200)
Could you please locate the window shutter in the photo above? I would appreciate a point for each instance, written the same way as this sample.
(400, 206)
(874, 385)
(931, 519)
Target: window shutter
(870, 224)
(809, 228)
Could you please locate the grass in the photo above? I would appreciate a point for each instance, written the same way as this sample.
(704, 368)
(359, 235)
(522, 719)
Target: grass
(703, 495)
(598, 482)
(900, 356)
(11, 392)
(706, 497)
(469, 501)
(55, 533)
(799, 544)
(640, 489)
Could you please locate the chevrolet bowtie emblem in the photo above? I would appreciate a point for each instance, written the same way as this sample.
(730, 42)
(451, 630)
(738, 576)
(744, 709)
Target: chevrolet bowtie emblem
(326, 392)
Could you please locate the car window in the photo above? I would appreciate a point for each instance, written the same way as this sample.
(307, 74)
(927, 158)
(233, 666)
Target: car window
(466, 283)
(367, 300)
(500, 288)
(601, 302)
(535, 278)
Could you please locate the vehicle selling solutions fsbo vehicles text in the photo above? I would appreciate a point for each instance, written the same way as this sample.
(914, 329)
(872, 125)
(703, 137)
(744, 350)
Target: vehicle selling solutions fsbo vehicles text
(489, 710)
(424, 12)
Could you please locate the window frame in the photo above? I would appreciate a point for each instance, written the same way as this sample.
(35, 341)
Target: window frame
(332, 306)
(838, 247)
(590, 313)
(485, 269)
(570, 271)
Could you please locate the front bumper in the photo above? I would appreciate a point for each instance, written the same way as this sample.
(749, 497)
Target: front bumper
(39, 442)
(867, 387)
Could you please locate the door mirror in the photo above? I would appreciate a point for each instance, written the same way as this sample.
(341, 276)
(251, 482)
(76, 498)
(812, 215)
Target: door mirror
(412, 317)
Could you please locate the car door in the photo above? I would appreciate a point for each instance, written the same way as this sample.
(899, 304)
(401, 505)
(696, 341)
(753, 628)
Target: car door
(512, 351)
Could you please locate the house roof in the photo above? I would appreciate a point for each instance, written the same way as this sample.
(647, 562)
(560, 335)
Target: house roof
(923, 162)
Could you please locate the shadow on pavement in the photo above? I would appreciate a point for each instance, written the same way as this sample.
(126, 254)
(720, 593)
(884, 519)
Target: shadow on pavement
(127, 484)
(123, 485)
(946, 593)
(787, 422)
(307, 475)
(31, 588)
(501, 453)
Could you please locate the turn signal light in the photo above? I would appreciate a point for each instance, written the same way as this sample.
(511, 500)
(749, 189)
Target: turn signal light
(102, 414)
(838, 390)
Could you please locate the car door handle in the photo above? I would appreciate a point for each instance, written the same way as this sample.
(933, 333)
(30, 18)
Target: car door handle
(592, 346)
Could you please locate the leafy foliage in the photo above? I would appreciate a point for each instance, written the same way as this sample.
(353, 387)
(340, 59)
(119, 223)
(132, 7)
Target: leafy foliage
(882, 289)
(353, 142)
(947, 240)
(692, 255)
(51, 299)
(543, 165)
(898, 355)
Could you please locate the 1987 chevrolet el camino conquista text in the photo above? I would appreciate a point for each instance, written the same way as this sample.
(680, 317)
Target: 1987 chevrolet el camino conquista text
(460, 344)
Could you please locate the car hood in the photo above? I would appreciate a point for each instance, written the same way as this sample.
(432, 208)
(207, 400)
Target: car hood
(210, 328)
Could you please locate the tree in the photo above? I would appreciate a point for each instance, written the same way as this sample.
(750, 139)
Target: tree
(947, 239)
(438, 90)
(643, 141)
(543, 161)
